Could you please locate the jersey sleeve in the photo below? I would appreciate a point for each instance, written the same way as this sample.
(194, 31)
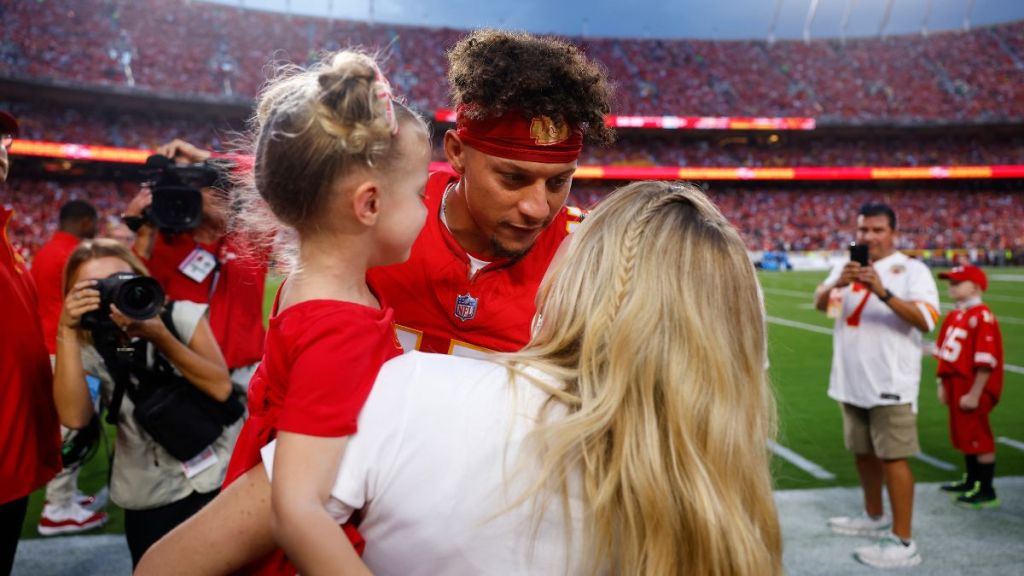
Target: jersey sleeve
(332, 369)
(836, 271)
(923, 292)
(987, 349)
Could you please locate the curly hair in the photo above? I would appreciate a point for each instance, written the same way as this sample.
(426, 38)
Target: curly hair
(495, 71)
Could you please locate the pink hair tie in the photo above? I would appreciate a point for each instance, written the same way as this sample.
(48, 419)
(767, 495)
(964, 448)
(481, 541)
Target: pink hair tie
(383, 92)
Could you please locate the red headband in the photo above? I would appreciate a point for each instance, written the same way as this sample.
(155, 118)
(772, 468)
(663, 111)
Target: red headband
(513, 136)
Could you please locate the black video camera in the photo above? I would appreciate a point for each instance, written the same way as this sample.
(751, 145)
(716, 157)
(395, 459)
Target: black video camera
(177, 192)
(137, 297)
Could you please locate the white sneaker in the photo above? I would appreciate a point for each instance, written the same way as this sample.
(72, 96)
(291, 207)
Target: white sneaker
(862, 525)
(93, 502)
(69, 519)
(889, 552)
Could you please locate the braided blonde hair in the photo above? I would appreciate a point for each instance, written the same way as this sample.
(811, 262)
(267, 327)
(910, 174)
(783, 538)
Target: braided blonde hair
(655, 328)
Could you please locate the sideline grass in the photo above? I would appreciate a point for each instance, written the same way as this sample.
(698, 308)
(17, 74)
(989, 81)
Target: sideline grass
(810, 421)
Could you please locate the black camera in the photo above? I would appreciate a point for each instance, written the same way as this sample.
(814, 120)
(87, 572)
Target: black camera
(137, 297)
(177, 197)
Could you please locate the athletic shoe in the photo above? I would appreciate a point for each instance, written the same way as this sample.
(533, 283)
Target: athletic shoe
(976, 500)
(889, 552)
(961, 486)
(69, 519)
(862, 525)
(93, 502)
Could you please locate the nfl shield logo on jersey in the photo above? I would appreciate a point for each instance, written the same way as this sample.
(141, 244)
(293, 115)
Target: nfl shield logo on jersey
(465, 307)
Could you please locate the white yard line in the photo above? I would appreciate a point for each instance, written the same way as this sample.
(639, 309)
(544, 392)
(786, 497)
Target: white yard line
(782, 292)
(1011, 443)
(801, 325)
(932, 460)
(822, 330)
(800, 462)
(1001, 298)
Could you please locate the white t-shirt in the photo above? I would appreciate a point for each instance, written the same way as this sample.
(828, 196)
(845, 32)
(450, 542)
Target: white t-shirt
(433, 469)
(876, 356)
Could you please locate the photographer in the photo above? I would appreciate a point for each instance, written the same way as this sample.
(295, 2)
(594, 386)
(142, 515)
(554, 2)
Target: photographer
(195, 258)
(115, 327)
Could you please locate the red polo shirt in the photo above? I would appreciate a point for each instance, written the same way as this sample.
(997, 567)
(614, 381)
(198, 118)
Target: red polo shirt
(48, 272)
(29, 429)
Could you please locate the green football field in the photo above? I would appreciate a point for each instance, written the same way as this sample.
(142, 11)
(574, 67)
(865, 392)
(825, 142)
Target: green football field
(810, 424)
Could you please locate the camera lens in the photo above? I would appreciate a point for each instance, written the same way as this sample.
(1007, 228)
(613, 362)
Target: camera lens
(140, 298)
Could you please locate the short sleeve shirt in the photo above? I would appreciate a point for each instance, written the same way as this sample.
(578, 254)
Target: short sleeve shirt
(970, 339)
(876, 356)
(321, 359)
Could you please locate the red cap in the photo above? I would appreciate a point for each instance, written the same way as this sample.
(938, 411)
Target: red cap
(967, 272)
(8, 124)
(513, 136)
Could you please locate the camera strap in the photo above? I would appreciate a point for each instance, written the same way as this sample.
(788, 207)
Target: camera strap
(120, 368)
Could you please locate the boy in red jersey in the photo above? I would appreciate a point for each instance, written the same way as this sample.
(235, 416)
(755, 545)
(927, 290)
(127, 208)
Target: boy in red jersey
(970, 374)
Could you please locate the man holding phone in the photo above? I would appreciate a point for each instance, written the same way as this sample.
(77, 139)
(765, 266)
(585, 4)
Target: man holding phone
(883, 301)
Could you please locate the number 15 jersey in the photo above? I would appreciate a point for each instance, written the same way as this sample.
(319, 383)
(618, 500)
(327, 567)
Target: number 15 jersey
(970, 339)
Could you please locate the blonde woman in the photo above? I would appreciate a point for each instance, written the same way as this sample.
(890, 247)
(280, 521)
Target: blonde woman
(156, 490)
(628, 437)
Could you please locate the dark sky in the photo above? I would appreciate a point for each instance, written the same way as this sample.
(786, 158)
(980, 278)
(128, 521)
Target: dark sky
(722, 19)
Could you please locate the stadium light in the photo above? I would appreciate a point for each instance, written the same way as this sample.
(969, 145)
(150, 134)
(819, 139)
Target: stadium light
(846, 20)
(927, 15)
(885, 18)
(86, 152)
(775, 21)
(811, 11)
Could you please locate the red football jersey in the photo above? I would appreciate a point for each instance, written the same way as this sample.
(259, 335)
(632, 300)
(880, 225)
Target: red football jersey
(234, 290)
(48, 272)
(30, 433)
(970, 339)
(440, 308)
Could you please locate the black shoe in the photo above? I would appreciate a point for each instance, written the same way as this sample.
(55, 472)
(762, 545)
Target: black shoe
(977, 499)
(959, 487)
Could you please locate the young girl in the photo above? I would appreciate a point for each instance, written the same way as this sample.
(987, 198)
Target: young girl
(342, 165)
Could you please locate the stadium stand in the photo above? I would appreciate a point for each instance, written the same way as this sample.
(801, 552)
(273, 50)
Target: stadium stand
(934, 99)
(195, 48)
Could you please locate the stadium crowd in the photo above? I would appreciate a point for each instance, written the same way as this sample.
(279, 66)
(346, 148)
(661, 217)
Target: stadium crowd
(147, 129)
(222, 52)
(769, 220)
(818, 219)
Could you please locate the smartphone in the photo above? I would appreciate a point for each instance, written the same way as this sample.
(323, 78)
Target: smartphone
(859, 253)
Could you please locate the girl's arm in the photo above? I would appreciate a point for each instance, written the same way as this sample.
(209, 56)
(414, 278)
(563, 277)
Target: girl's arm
(70, 391)
(199, 361)
(304, 471)
(228, 534)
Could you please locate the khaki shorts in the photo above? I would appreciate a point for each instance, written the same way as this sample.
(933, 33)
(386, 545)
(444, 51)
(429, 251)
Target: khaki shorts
(889, 432)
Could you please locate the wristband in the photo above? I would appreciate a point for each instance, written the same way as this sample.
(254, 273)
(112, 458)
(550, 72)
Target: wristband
(133, 222)
(887, 296)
